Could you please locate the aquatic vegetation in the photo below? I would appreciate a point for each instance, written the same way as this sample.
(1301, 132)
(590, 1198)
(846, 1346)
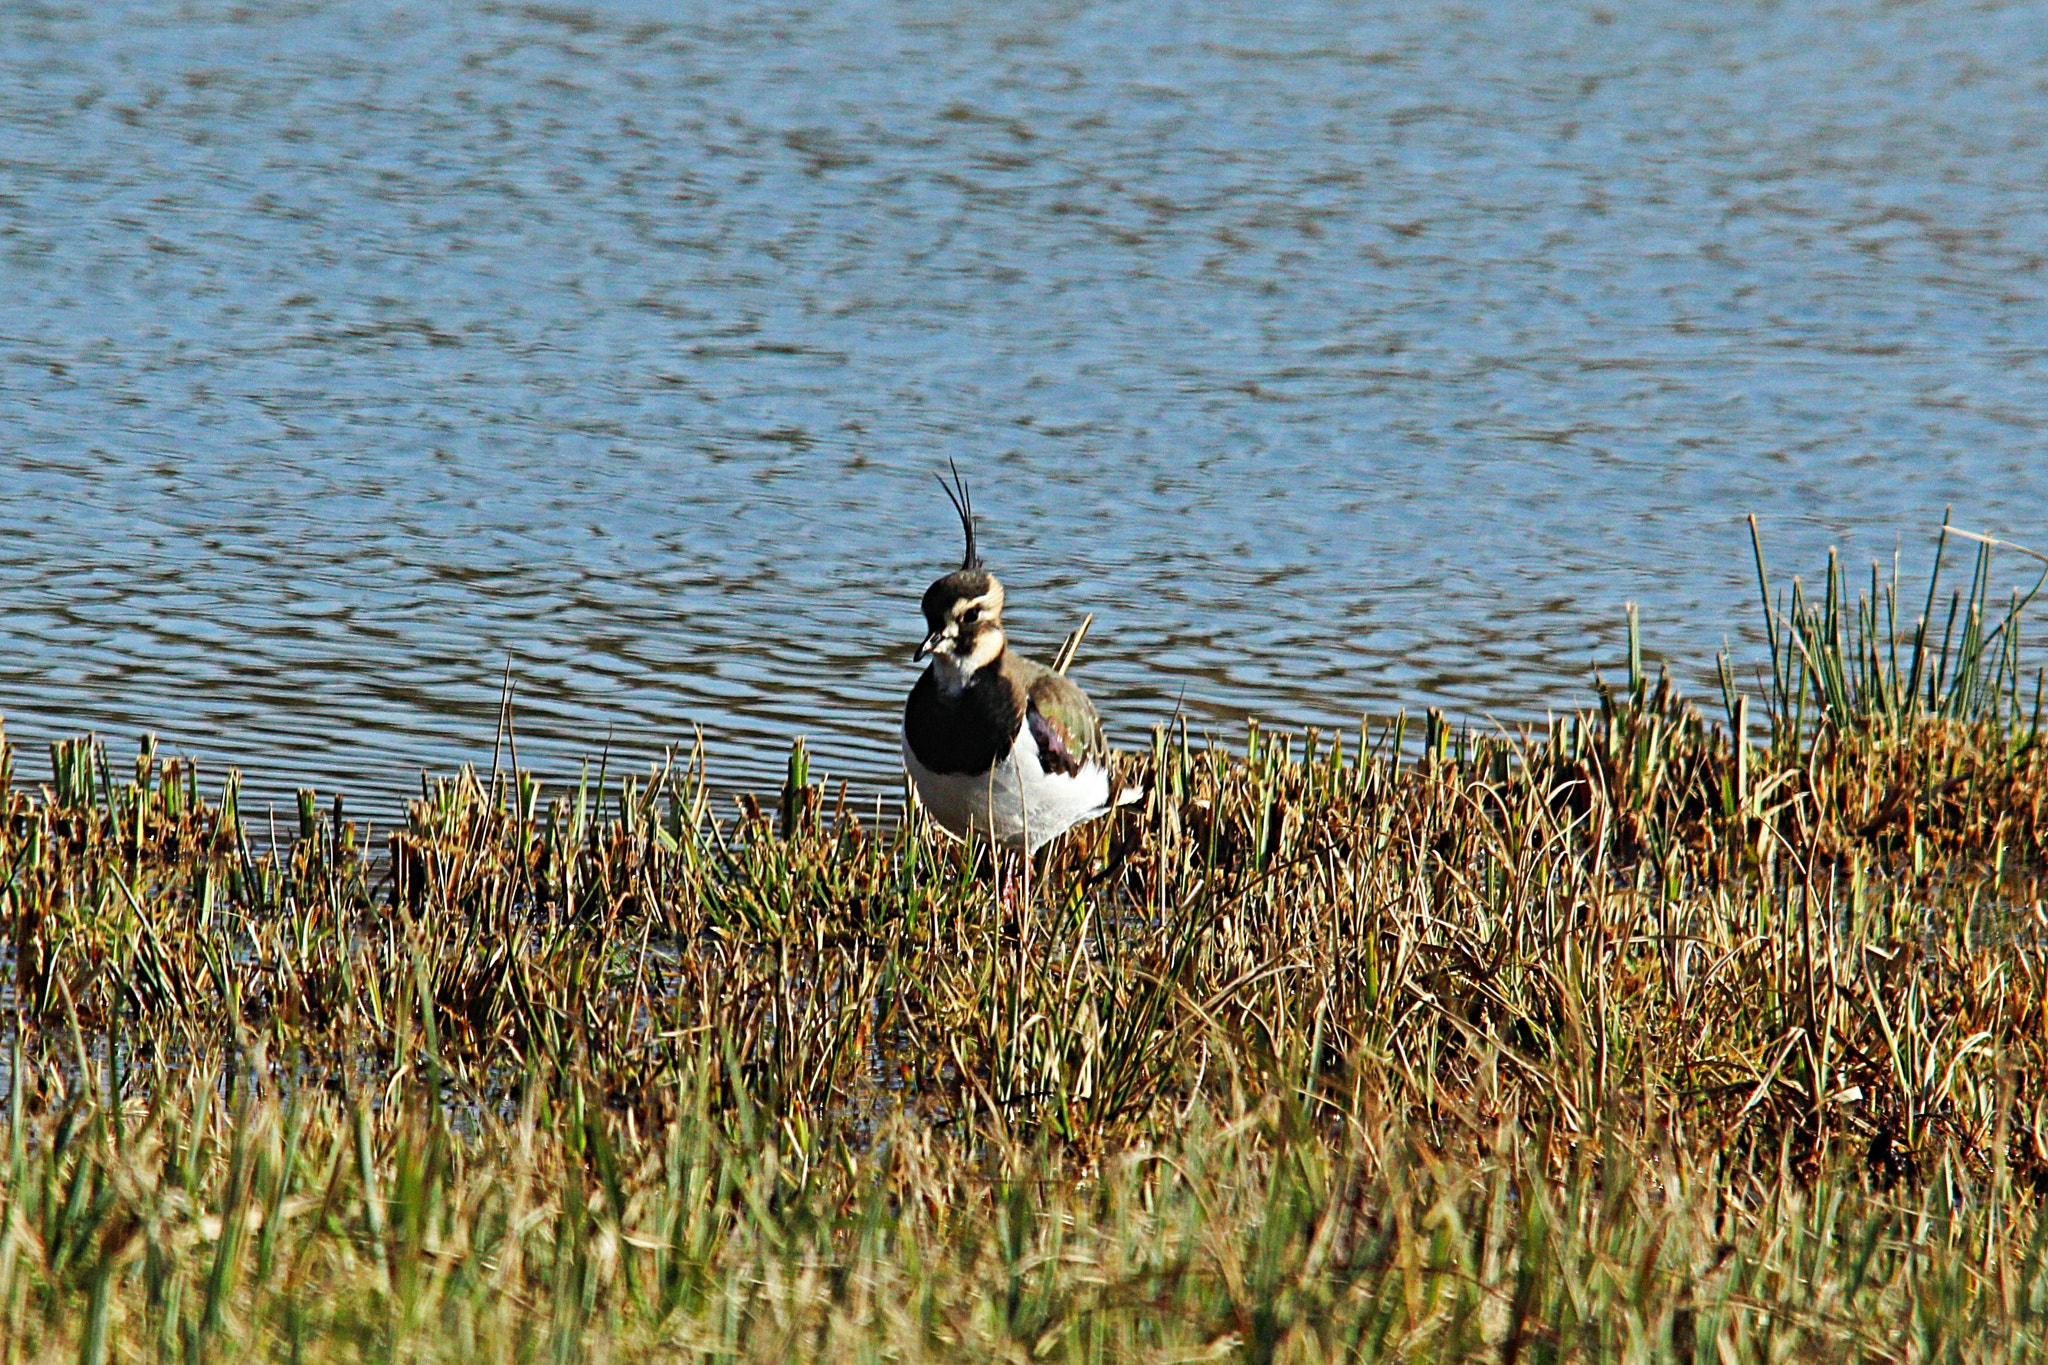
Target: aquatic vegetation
(1635, 1034)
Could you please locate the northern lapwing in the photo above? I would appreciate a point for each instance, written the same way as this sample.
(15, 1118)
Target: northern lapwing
(995, 743)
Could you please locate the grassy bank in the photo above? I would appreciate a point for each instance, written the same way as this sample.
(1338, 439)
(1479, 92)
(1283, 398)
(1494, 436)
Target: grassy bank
(1643, 1035)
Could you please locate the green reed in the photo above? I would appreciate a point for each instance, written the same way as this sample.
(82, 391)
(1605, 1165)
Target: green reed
(1860, 665)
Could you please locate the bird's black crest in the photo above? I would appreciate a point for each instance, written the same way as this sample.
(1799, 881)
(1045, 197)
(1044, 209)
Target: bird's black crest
(964, 505)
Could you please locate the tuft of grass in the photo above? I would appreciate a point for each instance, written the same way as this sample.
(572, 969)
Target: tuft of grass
(1857, 666)
(1621, 1038)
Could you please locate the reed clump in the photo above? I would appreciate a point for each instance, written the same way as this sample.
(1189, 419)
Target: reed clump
(1637, 1035)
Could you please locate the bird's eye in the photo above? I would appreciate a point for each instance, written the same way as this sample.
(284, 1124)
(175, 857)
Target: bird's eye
(970, 616)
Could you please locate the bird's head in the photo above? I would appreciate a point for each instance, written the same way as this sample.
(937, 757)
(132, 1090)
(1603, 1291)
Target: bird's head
(963, 616)
(963, 612)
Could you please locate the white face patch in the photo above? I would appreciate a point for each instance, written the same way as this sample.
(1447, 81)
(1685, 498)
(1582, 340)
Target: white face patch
(953, 669)
(988, 643)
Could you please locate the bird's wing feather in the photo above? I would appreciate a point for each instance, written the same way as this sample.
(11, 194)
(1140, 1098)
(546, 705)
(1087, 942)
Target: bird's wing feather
(1053, 754)
(1062, 720)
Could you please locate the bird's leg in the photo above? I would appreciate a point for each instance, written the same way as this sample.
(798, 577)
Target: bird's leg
(1002, 885)
(1012, 886)
(1023, 883)
(988, 856)
(995, 869)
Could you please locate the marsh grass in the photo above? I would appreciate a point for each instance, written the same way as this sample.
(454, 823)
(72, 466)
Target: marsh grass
(1623, 1038)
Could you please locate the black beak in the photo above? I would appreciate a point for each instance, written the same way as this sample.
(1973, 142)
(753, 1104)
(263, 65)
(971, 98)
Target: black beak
(931, 643)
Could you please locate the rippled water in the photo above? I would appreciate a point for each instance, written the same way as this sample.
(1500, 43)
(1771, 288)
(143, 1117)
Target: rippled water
(1337, 358)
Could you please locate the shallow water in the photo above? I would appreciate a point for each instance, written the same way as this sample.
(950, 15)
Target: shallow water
(1338, 358)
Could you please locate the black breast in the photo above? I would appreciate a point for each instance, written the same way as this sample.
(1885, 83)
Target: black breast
(967, 731)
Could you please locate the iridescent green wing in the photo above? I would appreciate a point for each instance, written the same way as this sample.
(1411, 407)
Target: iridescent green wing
(1062, 719)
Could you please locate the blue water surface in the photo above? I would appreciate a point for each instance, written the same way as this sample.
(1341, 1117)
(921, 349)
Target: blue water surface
(1338, 358)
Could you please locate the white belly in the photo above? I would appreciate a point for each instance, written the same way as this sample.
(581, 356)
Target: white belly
(1019, 802)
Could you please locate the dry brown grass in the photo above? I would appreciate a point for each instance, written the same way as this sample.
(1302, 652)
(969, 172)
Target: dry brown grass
(1616, 1038)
